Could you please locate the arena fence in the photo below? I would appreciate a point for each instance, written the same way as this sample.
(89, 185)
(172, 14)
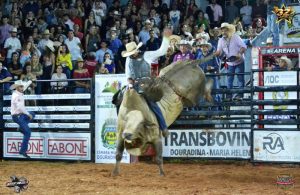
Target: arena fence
(261, 127)
(63, 126)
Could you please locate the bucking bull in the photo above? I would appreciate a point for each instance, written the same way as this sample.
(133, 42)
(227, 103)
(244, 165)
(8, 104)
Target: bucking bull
(178, 85)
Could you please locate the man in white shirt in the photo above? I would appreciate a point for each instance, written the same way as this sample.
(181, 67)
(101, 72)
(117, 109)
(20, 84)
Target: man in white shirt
(74, 46)
(45, 41)
(12, 44)
(20, 115)
(217, 13)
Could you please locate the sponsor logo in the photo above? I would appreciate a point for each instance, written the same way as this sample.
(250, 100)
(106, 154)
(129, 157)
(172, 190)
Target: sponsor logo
(112, 87)
(35, 146)
(109, 133)
(273, 143)
(285, 181)
(68, 147)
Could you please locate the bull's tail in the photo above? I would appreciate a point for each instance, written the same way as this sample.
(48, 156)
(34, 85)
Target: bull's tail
(207, 90)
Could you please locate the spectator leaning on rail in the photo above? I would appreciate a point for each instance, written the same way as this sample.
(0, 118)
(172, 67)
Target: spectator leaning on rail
(233, 48)
(138, 65)
(20, 115)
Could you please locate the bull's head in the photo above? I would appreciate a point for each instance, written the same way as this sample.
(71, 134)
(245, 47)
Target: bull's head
(133, 132)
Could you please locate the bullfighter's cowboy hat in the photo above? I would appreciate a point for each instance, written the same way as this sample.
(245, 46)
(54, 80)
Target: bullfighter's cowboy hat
(20, 83)
(230, 27)
(131, 48)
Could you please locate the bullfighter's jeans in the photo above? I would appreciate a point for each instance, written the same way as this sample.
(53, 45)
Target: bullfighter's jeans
(241, 80)
(23, 120)
(160, 118)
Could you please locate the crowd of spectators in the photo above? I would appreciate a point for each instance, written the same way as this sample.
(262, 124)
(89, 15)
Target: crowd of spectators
(56, 39)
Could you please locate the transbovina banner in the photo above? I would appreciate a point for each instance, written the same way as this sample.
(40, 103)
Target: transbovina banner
(234, 143)
(106, 118)
(280, 146)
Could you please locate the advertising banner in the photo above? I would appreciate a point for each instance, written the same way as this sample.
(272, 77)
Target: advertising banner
(208, 144)
(281, 146)
(106, 117)
(47, 145)
(292, 31)
(284, 78)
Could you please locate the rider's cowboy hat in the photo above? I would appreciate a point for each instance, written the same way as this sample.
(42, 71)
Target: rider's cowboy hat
(131, 48)
(230, 27)
(21, 83)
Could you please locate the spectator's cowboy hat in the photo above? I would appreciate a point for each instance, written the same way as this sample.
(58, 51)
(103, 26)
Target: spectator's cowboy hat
(13, 30)
(56, 43)
(20, 83)
(230, 27)
(269, 40)
(131, 48)
(80, 60)
(287, 61)
(175, 38)
(113, 28)
(204, 42)
(148, 22)
(46, 32)
(186, 43)
(50, 46)
(201, 36)
(214, 31)
(129, 31)
(116, 13)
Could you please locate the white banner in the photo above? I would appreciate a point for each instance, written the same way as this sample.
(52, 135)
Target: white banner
(53, 96)
(285, 78)
(47, 145)
(52, 125)
(56, 117)
(208, 144)
(106, 117)
(53, 108)
(281, 146)
(292, 31)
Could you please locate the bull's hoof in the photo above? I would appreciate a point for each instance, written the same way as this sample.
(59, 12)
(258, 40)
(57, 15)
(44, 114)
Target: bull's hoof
(115, 173)
(162, 174)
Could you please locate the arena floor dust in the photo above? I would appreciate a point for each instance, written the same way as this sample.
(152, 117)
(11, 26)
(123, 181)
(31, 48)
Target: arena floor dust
(142, 178)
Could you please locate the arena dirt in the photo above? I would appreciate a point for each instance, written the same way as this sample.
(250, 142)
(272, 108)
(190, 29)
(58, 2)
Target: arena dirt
(142, 178)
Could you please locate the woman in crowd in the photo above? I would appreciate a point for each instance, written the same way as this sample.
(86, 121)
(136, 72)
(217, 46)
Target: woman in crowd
(37, 70)
(91, 40)
(27, 75)
(59, 87)
(90, 21)
(81, 73)
(109, 64)
(64, 58)
(28, 50)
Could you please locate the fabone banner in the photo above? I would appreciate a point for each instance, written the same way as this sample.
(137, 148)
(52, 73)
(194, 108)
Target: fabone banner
(48, 145)
(284, 78)
(106, 117)
(221, 143)
(292, 30)
(280, 146)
